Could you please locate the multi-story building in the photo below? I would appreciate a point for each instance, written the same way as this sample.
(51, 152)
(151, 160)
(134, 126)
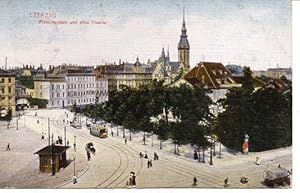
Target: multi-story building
(276, 73)
(7, 93)
(66, 85)
(133, 75)
(101, 90)
(52, 89)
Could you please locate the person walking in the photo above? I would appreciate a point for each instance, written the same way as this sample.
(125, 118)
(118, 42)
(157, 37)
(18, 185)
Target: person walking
(133, 180)
(148, 163)
(88, 155)
(112, 133)
(226, 183)
(125, 141)
(68, 143)
(8, 147)
(194, 181)
(146, 156)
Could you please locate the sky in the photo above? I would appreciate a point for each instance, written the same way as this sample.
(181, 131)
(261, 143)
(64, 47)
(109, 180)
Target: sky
(255, 33)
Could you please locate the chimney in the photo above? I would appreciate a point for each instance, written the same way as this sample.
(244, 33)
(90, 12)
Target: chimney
(5, 63)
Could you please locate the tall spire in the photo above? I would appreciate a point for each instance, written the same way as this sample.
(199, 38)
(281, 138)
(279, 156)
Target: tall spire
(183, 28)
(168, 54)
(183, 42)
(163, 52)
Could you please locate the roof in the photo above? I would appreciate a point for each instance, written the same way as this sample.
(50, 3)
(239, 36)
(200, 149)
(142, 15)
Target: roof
(279, 85)
(57, 150)
(256, 82)
(211, 74)
(4, 73)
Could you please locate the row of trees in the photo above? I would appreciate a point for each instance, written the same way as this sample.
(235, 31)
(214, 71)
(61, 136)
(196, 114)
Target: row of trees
(181, 113)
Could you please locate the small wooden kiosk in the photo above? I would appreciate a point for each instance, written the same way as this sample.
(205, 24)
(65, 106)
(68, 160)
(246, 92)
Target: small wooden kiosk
(52, 154)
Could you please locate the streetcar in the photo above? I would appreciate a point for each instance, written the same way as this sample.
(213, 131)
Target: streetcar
(98, 131)
(277, 176)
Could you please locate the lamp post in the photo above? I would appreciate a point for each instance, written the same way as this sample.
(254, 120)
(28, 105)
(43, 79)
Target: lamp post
(117, 130)
(74, 165)
(203, 154)
(175, 147)
(123, 132)
(52, 157)
(211, 155)
(152, 137)
(220, 154)
(214, 140)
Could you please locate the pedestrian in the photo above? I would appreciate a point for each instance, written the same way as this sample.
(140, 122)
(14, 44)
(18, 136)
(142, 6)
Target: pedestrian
(133, 180)
(68, 143)
(8, 147)
(130, 180)
(146, 156)
(74, 179)
(155, 156)
(279, 166)
(112, 133)
(148, 164)
(88, 155)
(125, 141)
(141, 155)
(194, 181)
(74, 146)
(226, 182)
(195, 155)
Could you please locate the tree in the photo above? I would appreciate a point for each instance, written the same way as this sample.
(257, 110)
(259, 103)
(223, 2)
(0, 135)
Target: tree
(265, 115)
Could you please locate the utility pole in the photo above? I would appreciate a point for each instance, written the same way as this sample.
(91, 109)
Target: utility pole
(52, 157)
(65, 136)
(48, 131)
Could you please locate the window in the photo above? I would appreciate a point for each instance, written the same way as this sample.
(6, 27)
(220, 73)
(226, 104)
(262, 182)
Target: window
(41, 87)
(52, 103)
(9, 89)
(2, 80)
(9, 80)
(52, 87)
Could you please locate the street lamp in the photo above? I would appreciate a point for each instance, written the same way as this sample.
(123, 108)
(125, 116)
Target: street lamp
(74, 165)
(214, 141)
(175, 141)
(203, 154)
(152, 137)
(123, 132)
(117, 130)
(211, 155)
(220, 154)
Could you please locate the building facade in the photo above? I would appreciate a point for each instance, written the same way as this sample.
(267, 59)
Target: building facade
(132, 75)
(66, 85)
(101, 90)
(7, 93)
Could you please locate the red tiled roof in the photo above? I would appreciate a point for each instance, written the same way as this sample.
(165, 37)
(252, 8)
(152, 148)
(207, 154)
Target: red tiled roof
(210, 74)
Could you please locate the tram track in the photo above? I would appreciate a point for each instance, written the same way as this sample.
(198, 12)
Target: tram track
(171, 164)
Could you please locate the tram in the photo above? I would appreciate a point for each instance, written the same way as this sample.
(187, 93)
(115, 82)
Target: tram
(98, 131)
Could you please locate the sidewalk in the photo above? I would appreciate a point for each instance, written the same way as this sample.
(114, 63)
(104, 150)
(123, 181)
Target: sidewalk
(20, 166)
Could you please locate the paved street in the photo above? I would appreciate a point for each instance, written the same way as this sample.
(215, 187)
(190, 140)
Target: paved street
(111, 165)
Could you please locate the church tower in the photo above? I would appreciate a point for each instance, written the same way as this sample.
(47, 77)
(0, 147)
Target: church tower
(184, 47)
